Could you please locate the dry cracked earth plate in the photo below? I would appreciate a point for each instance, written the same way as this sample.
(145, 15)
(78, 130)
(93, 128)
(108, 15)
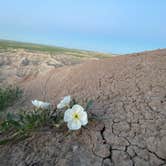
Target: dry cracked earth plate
(130, 91)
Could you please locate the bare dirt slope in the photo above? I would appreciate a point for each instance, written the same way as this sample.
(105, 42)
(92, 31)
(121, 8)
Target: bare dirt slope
(23, 60)
(129, 90)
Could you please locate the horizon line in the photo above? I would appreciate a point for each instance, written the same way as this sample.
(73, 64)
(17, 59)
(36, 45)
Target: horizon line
(78, 49)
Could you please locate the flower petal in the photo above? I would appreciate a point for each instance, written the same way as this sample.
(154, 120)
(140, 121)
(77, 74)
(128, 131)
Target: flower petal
(83, 118)
(74, 125)
(77, 108)
(67, 99)
(60, 106)
(33, 102)
(40, 104)
(45, 105)
(68, 115)
(64, 102)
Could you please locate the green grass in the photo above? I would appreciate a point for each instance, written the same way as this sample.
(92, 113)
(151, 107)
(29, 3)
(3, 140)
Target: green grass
(26, 121)
(8, 96)
(6, 45)
(20, 125)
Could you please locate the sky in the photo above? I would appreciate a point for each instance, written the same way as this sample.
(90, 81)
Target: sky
(113, 26)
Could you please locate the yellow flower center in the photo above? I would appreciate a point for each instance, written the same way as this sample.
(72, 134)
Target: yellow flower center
(76, 116)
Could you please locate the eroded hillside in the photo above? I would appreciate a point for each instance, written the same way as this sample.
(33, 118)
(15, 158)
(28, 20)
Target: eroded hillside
(129, 93)
(23, 60)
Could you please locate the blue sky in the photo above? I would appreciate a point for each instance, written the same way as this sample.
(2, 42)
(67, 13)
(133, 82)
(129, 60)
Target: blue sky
(118, 26)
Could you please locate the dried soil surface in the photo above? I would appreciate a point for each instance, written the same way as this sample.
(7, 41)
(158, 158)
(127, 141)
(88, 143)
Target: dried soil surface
(129, 93)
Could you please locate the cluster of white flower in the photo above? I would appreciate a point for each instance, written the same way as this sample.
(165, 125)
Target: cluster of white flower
(75, 116)
(64, 102)
(40, 104)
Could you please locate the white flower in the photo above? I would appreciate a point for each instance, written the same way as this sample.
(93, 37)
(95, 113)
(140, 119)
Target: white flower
(64, 102)
(40, 104)
(75, 117)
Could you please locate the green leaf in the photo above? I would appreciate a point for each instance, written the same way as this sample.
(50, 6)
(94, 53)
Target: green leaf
(15, 124)
(5, 141)
(89, 105)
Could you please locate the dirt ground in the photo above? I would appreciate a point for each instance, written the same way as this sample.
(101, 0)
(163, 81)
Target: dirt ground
(129, 93)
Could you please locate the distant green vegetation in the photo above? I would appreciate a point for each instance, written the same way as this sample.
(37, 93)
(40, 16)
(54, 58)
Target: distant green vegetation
(8, 96)
(6, 45)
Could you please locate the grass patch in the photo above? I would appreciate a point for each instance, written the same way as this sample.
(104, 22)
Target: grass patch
(18, 126)
(7, 45)
(8, 96)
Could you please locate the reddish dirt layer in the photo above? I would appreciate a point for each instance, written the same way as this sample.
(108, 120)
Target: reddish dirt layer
(129, 90)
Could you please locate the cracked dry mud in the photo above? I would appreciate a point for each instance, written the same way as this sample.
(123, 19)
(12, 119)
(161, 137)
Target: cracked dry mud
(129, 94)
